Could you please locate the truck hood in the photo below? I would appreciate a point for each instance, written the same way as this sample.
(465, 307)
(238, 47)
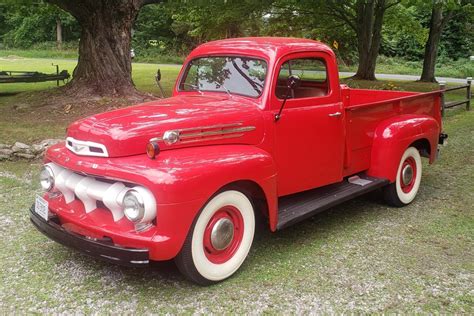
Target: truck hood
(198, 119)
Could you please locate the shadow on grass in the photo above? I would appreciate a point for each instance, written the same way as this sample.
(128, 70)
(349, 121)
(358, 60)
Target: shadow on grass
(268, 247)
(9, 94)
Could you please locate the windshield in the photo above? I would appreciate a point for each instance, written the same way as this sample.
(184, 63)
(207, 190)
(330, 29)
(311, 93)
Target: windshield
(228, 74)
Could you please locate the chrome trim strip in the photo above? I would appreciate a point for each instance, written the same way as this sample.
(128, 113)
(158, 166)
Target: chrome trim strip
(211, 138)
(210, 127)
(224, 130)
(218, 132)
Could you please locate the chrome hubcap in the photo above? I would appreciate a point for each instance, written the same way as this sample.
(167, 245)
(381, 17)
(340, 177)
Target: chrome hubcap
(407, 174)
(222, 234)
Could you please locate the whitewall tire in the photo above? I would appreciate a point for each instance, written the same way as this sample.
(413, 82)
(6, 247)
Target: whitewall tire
(219, 239)
(405, 188)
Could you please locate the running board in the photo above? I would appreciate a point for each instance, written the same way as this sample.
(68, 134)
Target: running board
(300, 206)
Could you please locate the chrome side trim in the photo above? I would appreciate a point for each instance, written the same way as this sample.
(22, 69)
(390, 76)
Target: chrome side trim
(206, 133)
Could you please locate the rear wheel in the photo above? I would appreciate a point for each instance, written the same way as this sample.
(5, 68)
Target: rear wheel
(403, 191)
(219, 240)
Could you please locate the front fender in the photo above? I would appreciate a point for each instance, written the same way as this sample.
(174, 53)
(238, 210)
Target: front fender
(196, 174)
(393, 136)
(182, 180)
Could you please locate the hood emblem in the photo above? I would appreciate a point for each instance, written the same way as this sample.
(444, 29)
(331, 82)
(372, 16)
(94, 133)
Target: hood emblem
(86, 148)
(78, 148)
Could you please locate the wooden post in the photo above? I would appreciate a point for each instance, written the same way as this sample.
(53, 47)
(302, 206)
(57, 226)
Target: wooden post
(468, 94)
(442, 86)
(57, 73)
(59, 33)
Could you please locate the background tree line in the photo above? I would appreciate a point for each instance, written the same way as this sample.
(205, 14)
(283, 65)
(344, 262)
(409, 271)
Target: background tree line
(358, 30)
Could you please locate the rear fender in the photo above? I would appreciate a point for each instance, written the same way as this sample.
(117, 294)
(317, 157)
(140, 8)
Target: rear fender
(393, 136)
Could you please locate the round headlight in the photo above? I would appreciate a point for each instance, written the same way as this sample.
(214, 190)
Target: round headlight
(47, 178)
(133, 206)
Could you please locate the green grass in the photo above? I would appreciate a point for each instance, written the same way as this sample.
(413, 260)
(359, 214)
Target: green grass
(143, 74)
(461, 68)
(73, 54)
(360, 257)
(39, 53)
(28, 129)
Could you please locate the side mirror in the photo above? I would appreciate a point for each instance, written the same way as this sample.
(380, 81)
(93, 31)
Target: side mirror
(293, 82)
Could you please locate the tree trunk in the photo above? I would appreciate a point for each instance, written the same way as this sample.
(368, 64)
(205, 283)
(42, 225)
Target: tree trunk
(369, 21)
(104, 65)
(59, 33)
(431, 47)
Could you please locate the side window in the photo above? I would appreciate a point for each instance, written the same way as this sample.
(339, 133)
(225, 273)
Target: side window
(313, 75)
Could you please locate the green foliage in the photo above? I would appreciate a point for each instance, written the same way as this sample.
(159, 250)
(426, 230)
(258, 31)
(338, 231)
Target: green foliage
(3, 24)
(30, 23)
(166, 32)
(406, 30)
(152, 34)
(198, 21)
(457, 39)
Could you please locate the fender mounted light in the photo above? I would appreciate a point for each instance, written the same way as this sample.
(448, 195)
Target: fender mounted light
(152, 149)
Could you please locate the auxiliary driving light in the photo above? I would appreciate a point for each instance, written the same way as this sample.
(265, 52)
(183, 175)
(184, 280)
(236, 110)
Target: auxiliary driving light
(152, 149)
(47, 178)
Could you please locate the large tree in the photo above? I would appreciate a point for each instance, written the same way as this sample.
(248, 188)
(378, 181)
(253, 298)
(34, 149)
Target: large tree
(442, 11)
(104, 65)
(439, 18)
(365, 17)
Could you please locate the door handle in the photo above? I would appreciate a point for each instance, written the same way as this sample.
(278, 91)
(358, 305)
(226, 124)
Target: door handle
(335, 114)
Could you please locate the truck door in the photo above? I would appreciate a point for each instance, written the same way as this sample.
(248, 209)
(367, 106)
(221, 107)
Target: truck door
(309, 135)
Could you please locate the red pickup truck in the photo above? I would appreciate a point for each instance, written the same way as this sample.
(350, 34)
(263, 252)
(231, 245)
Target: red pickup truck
(256, 128)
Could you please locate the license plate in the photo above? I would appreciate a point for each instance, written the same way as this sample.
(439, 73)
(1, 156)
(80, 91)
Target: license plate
(41, 207)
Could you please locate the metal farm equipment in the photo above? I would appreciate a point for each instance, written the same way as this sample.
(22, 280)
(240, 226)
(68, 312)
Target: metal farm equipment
(7, 76)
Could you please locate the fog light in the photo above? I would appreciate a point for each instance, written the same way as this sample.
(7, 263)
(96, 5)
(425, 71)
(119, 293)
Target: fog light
(47, 178)
(133, 206)
(152, 149)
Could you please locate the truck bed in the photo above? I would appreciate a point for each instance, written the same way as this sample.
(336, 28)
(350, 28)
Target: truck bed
(366, 109)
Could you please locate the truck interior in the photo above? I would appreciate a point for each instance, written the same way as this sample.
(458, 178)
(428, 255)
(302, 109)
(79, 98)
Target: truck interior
(313, 75)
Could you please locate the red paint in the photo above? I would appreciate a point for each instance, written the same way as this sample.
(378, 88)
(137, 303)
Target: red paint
(306, 148)
(220, 256)
(408, 187)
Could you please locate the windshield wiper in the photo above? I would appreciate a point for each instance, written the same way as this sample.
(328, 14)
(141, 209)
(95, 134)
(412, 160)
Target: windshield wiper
(226, 90)
(193, 86)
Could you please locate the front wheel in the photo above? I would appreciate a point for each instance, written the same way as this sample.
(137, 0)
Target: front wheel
(219, 240)
(403, 191)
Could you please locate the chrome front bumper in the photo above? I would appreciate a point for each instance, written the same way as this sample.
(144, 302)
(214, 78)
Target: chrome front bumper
(103, 249)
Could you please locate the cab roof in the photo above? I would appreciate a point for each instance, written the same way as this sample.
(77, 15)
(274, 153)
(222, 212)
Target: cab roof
(264, 47)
